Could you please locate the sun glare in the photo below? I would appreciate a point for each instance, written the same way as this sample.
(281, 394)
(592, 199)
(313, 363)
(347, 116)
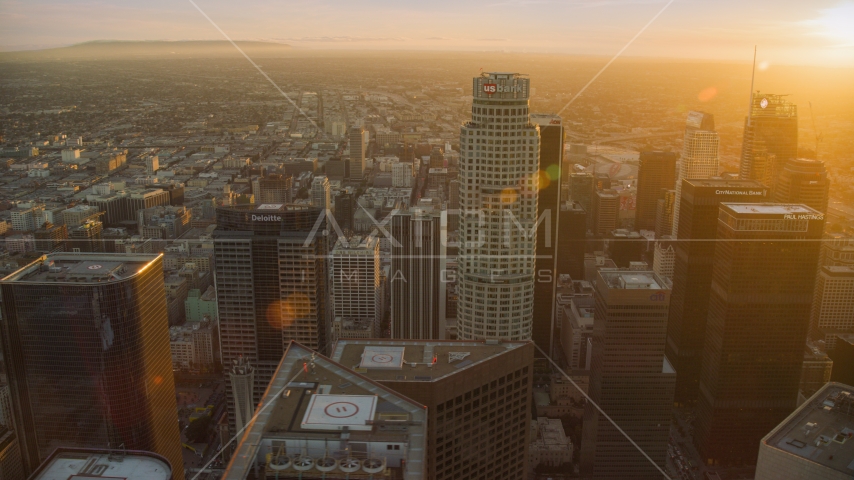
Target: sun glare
(835, 23)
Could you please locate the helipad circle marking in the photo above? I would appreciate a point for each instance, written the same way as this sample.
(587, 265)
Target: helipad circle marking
(341, 409)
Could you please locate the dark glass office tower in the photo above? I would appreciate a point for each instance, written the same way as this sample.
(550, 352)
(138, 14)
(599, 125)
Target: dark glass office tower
(664, 210)
(763, 277)
(272, 285)
(416, 275)
(656, 171)
(345, 209)
(803, 181)
(625, 247)
(692, 275)
(606, 212)
(548, 208)
(770, 138)
(571, 240)
(630, 378)
(86, 345)
(581, 188)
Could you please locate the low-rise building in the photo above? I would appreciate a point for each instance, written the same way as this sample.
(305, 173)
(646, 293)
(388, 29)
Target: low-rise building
(199, 305)
(80, 214)
(351, 328)
(549, 444)
(164, 221)
(195, 346)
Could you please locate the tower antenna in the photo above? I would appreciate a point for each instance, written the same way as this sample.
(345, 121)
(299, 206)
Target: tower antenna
(752, 78)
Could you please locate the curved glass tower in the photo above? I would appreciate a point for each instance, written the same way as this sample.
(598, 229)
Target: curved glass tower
(499, 161)
(86, 343)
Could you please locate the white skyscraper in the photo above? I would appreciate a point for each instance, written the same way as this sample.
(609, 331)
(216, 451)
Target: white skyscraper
(320, 196)
(499, 161)
(664, 261)
(356, 278)
(401, 175)
(700, 156)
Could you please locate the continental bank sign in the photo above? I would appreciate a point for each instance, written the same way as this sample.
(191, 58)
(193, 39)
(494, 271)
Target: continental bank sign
(745, 192)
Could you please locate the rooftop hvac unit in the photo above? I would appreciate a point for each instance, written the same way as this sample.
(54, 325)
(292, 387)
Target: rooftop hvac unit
(326, 464)
(280, 462)
(373, 465)
(303, 463)
(349, 465)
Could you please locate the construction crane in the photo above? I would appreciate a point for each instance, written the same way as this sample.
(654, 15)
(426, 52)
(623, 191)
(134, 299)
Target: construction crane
(818, 136)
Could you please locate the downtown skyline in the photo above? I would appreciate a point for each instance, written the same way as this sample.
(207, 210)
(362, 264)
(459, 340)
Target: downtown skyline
(432, 241)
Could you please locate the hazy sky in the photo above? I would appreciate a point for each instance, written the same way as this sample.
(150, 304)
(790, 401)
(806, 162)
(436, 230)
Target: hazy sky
(787, 31)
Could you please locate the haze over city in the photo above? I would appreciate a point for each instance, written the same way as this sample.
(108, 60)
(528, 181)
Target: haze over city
(790, 32)
(485, 240)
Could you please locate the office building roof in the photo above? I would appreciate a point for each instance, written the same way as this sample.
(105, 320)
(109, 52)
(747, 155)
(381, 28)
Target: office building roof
(544, 119)
(416, 360)
(838, 271)
(723, 183)
(82, 268)
(81, 463)
(821, 430)
(770, 209)
(270, 207)
(632, 280)
(324, 406)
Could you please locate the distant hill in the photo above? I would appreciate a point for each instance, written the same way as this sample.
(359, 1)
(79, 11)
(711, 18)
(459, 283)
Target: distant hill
(107, 50)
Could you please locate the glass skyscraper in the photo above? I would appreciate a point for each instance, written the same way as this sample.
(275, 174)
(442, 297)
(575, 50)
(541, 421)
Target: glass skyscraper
(656, 172)
(700, 157)
(802, 180)
(86, 344)
(692, 274)
(417, 302)
(770, 138)
(548, 209)
(630, 377)
(499, 182)
(272, 283)
(763, 276)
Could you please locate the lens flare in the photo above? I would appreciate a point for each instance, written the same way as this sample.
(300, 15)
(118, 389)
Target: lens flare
(835, 24)
(296, 306)
(281, 314)
(543, 179)
(707, 94)
(508, 196)
(554, 172)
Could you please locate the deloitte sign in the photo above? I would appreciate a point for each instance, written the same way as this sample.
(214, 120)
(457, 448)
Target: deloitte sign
(266, 218)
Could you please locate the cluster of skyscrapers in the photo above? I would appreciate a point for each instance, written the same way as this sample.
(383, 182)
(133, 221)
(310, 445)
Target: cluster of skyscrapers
(720, 327)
